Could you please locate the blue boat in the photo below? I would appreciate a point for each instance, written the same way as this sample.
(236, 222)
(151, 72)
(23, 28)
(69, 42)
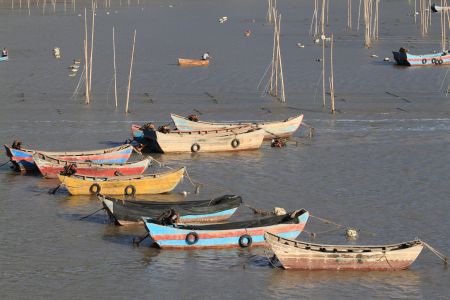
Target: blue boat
(402, 57)
(23, 161)
(226, 235)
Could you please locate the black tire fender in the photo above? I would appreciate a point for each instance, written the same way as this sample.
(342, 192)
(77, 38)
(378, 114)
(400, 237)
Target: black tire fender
(245, 241)
(424, 61)
(440, 61)
(433, 60)
(235, 143)
(95, 189)
(195, 147)
(130, 190)
(191, 238)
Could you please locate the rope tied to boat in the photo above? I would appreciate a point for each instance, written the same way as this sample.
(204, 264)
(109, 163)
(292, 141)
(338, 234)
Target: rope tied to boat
(92, 213)
(195, 185)
(436, 252)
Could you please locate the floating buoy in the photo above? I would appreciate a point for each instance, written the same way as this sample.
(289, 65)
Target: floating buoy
(386, 59)
(374, 56)
(352, 233)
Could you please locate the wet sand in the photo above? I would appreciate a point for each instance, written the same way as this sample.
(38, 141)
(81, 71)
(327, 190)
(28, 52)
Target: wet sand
(379, 164)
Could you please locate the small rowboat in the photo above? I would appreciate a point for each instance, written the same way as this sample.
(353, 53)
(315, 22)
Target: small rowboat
(294, 254)
(50, 167)
(193, 62)
(272, 129)
(403, 58)
(22, 159)
(226, 235)
(123, 185)
(4, 58)
(126, 212)
(225, 139)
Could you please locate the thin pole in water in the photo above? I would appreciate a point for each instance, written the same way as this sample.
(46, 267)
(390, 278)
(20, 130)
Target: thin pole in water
(129, 76)
(115, 72)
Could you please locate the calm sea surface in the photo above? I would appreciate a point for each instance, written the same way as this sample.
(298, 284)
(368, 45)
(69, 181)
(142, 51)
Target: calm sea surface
(381, 164)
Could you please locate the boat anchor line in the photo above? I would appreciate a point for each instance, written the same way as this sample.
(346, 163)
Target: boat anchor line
(441, 256)
(5, 163)
(82, 218)
(138, 240)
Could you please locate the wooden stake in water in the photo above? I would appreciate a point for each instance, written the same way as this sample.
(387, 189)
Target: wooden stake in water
(332, 76)
(129, 76)
(115, 72)
(92, 45)
(349, 14)
(86, 60)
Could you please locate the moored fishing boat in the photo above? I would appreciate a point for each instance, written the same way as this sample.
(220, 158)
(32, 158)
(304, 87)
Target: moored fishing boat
(125, 212)
(225, 235)
(22, 158)
(50, 167)
(123, 185)
(272, 129)
(226, 139)
(293, 254)
(193, 62)
(402, 57)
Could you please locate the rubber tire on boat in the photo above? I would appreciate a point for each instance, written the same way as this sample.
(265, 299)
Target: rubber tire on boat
(235, 143)
(130, 193)
(424, 61)
(191, 238)
(95, 189)
(440, 61)
(433, 60)
(195, 147)
(244, 238)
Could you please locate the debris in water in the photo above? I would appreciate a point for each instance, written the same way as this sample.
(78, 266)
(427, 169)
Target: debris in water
(352, 233)
(386, 59)
(223, 19)
(374, 56)
(300, 45)
(248, 33)
(57, 52)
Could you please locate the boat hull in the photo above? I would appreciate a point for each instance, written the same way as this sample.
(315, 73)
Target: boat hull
(51, 167)
(275, 129)
(435, 59)
(23, 161)
(169, 237)
(192, 62)
(330, 257)
(189, 212)
(122, 185)
(4, 58)
(219, 140)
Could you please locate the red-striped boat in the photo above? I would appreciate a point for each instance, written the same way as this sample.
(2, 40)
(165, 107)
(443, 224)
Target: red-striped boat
(50, 167)
(225, 235)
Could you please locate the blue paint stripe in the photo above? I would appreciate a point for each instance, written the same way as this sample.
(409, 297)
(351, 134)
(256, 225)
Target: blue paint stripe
(225, 241)
(220, 213)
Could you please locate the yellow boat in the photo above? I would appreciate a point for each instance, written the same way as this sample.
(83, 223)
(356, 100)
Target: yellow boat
(123, 185)
(193, 62)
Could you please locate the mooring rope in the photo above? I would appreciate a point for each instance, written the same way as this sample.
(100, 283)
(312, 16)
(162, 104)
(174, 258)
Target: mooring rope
(3, 164)
(92, 213)
(436, 252)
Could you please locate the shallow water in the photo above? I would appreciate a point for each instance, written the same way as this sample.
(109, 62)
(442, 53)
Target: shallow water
(379, 164)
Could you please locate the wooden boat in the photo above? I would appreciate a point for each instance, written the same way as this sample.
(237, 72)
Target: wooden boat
(22, 158)
(227, 139)
(436, 8)
(125, 212)
(226, 235)
(294, 254)
(50, 167)
(272, 129)
(402, 57)
(123, 185)
(193, 62)
(4, 58)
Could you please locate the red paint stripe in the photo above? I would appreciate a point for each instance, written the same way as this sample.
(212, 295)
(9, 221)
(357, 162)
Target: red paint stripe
(235, 233)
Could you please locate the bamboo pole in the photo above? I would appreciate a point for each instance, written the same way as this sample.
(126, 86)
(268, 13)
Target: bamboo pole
(86, 60)
(349, 14)
(323, 72)
(92, 44)
(115, 72)
(359, 15)
(283, 96)
(86, 73)
(129, 76)
(273, 56)
(332, 76)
